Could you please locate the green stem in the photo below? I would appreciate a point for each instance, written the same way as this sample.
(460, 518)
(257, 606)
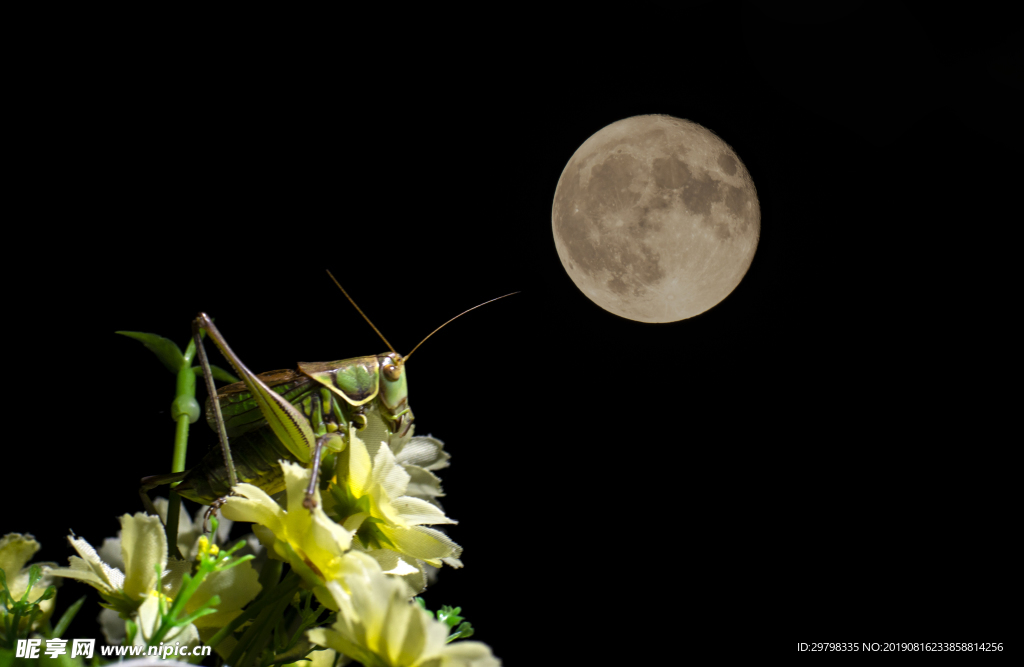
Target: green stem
(184, 595)
(186, 391)
(177, 465)
(12, 633)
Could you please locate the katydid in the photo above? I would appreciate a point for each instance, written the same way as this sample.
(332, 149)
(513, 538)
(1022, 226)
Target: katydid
(298, 415)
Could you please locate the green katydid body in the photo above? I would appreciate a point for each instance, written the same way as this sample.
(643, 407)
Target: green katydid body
(293, 415)
(364, 391)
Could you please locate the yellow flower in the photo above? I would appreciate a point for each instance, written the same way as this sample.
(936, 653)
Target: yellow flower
(16, 550)
(379, 626)
(369, 495)
(309, 541)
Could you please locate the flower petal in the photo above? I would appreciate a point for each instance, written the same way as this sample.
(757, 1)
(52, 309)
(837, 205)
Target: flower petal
(388, 474)
(110, 552)
(378, 625)
(89, 568)
(174, 574)
(143, 546)
(426, 452)
(422, 483)
(468, 654)
(236, 587)
(112, 626)
(423, 543)
(410, 569)
(417, 512)
(296, 479)
(340, 643)
(360, 466)
(16, 550)
(252, 504)
(148, 619)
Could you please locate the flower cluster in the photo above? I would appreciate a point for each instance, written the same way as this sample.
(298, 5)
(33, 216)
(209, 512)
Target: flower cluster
(363, 551)
(22, 588)
(328, 576)
(363, 548)
(152, 582)
(378, 627)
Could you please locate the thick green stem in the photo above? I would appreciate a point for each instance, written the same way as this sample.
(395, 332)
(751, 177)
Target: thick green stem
(177, 465)
(12, 633)
(185, 395)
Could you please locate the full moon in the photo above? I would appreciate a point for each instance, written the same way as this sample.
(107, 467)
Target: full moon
(656, 219)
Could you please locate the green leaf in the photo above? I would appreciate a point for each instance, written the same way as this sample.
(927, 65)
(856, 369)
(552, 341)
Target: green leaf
(218, 373)
(166, 350)
(224, 566)
(450, 615)
(35, 573)
(300, 650)
(204, 610)
(66, 618)
(465, 630)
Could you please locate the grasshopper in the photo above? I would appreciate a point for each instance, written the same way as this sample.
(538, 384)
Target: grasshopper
(298, 415)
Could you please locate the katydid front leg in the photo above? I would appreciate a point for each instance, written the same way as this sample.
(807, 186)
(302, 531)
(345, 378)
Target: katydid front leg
(333, 442)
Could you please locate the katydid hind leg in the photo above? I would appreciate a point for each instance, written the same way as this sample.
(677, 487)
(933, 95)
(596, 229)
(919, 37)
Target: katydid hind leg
(287, 423)
(203, 322)
(147, 484)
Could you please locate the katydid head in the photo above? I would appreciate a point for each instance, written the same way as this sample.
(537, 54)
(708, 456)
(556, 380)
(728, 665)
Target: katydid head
(394, 388)
(392, 369)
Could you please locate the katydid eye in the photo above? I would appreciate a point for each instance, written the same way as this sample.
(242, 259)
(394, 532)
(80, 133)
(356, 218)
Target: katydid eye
(392, 372)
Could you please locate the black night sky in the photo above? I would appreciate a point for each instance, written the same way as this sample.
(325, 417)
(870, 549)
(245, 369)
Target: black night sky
(821, 457)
